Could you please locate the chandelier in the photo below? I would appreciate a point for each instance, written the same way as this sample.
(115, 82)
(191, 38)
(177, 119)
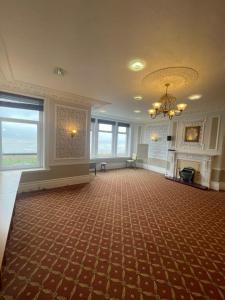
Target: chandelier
(167, 106)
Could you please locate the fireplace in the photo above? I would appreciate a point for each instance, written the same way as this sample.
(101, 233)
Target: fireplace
(187, 174)
(201, 163)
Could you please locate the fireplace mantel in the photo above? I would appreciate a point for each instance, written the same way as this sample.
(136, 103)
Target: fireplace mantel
(204, 159)
(196, 153)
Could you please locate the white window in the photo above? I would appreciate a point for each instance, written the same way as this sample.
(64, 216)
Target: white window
(108, 139)
(122, 139)
(20, 132)
(105, 138)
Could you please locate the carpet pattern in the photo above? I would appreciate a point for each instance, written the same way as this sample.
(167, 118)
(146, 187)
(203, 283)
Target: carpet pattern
(130, 234)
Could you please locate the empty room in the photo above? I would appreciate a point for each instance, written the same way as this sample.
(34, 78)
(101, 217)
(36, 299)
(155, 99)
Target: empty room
(112, 150)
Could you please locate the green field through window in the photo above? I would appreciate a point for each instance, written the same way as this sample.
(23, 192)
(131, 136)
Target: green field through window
(16, 160)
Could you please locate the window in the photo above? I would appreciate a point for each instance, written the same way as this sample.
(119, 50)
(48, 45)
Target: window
(122, 139)
(105, 138)
(108, 139)
(20, 131)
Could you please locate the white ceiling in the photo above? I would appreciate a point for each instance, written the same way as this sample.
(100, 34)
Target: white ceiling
(94, 41)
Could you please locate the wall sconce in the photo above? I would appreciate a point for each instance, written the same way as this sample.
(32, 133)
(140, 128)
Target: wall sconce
(73, 132)
(154, 138)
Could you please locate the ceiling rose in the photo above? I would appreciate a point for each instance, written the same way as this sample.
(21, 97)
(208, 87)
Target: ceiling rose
(178, 77)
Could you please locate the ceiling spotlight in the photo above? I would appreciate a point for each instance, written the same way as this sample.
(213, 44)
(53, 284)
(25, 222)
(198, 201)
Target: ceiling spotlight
(102, 111)
(195, 97)
(137, 65)
(59, 71)
(138, 98)
(137, 111)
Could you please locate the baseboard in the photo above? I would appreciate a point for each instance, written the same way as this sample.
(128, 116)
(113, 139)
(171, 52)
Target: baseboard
(152, 168)
(222, 186)
(113, 165)
(214, 185)
(52, 183)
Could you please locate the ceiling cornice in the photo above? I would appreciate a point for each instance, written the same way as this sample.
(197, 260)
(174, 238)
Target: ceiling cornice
(29, 89)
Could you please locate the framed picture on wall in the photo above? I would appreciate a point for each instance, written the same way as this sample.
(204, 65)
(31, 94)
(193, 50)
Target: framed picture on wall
(192, 134)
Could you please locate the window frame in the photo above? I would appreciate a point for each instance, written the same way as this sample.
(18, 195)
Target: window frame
(127, 139)
(40, 152)
(115, 127)
(97, 140)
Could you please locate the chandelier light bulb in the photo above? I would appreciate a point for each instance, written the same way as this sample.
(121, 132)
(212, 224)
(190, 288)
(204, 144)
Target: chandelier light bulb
(152, 111)
(157, 105)
(171, 114)
(181, 106)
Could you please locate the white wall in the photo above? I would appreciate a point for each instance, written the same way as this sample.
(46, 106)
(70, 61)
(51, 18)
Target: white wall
(157, 156)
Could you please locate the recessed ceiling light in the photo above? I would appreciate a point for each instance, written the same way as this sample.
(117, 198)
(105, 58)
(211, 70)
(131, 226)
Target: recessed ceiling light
(137, 111)
(59, 71)
(138, 98)
(102, 111)
(195, 97)
(137, 65)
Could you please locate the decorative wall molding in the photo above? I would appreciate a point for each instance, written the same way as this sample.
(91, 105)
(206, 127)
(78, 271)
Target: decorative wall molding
(218, 117)
(66, 119)
(52, 183)
(199, 144)
(68, 161)
(157, 149)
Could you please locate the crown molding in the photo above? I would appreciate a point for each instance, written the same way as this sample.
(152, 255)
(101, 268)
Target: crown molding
(29, 89)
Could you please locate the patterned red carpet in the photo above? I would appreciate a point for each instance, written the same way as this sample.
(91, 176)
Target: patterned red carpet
(130, 234)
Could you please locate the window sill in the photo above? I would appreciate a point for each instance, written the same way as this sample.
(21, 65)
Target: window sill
(25, 170)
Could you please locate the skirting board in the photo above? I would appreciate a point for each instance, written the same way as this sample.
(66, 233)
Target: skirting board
(52, 183)
(151, 168)
(222, 186)
(215, 185)
(113, 165)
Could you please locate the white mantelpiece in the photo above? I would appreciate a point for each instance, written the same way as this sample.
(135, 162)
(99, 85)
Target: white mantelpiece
(205, 161)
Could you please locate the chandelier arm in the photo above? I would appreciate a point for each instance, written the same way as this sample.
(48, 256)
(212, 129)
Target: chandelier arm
(167, 106)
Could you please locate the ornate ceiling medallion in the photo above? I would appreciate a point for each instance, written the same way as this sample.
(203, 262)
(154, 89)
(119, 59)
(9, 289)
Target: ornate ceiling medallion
(177, 77)
(174, 78)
